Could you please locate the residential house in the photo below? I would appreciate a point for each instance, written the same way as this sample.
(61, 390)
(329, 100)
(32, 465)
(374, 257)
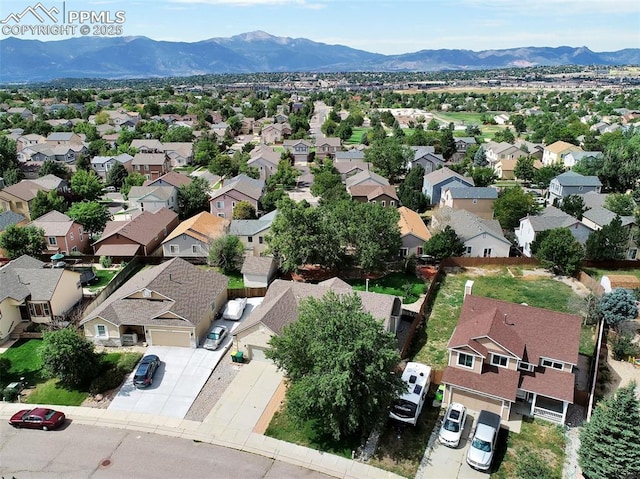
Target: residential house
(426, 157)
(63, 138)
(180, 153)
(24, 113)
(265, 159)
(153, 198)
(463, 143)
(593, 199)
(9, 218)
(141, 235)
(597, 217)
(123, 119)
(31, 292)
(64, 153)
(347, 156)
(241, 188)
(532, 149)
(280, 308)
(348, 169)
(258, 271)
(435, 182)
(413, 232)
(555, 152)
(366, 177)
(327, 147)
(511, 358)
(193, 236)
(573, 157)
(147, 145)
(384, 195)
(476, 200)
(572, 183)
(62, 234)
(275, 133)
(550, 218)
(151, 165)
(481, 237)
(253, 233)
(29, 140)
(172, 178)
(495, 152)
(102, 164)
(171, 304)
(19, 196)
(501, 119)
(300, 149)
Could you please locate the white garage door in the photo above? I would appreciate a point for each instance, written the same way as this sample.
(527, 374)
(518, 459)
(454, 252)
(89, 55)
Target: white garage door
(476, 402)
(159, 337)
(257, 354)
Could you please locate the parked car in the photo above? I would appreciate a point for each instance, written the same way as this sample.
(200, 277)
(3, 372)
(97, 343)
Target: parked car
(481, 450)
(38, 418)
(234, 309)
(215, 337)
(453, 425)
(146, 369)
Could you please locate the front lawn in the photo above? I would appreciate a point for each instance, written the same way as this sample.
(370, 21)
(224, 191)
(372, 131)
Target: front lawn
(408, 286)
(356, 136)
(50, 392)
(431, 345)
(25, 362)
(540, 444)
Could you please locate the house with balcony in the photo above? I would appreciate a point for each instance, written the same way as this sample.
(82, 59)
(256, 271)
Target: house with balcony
(31, 292)
(512, 359)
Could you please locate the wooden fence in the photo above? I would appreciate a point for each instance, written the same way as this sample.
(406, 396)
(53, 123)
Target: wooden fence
(233, 293)
(462, 262)
(590, 283)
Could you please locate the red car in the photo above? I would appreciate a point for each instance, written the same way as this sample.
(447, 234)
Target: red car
(38, 418)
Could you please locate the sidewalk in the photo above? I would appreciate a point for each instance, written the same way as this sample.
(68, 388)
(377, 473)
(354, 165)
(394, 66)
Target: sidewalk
(230, 424)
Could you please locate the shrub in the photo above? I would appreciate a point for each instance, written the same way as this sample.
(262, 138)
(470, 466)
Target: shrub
(128, 361)
(622, 347)
(5, 365)
(106, 261)
(110, 379)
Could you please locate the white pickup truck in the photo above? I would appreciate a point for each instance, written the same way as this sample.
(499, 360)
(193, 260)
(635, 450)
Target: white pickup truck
(483, 445)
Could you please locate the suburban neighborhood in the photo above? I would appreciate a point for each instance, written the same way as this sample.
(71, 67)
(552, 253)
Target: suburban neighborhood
(256, 268)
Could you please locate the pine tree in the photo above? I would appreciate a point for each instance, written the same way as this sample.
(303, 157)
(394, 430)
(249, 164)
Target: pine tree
(480, 158)
(610, 441)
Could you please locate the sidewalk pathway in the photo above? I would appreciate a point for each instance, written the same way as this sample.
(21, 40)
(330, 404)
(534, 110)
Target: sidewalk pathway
(230, 424)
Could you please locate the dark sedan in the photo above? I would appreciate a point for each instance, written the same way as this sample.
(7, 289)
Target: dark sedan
(146, 369)
(38, 418)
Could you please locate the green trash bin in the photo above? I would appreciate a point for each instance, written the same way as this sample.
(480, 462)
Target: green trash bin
(237, 357)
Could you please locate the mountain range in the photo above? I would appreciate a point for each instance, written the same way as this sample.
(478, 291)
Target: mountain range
(142, 57)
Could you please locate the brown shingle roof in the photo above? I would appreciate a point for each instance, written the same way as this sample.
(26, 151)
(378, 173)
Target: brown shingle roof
(141, 229)
(411, 223)
(203, 227)
(551, 383)
(173, 178)
(498, 382)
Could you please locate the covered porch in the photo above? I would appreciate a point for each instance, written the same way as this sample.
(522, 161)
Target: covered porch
(535, 405)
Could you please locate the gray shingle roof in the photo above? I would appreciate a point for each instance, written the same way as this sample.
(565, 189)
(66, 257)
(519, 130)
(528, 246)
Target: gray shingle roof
(8, 218)
(53, 223)
(571, 178)
(467, 225)
(189, 292)
(244, 184)
(472, 192)
(26, 276)
(551, 218)
(252, 227)
(602, 216)
(441, 174)
(257, 265)
(366, 176)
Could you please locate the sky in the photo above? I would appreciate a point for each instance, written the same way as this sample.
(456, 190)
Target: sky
(377, 26)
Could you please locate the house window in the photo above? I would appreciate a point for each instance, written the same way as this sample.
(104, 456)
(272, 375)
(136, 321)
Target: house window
(53, 241)
(249, 239)
(383, 203)
(219, 204)
(71, 237)
(260, 240)
(392, 203)
(404, 252)
(465, 360)
(233, 204)
(633, 253)
(101, 331)
(194, 249)
(548, 363)
(174, 249)
(499, 360)
(75, 248)
(475, 201)
(419, 250)
(522, 366)
(220, 215)
(487, 253)
(39, 310)
(468, 250)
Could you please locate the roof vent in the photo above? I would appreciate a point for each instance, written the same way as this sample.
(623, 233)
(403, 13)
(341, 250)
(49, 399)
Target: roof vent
(413, 378)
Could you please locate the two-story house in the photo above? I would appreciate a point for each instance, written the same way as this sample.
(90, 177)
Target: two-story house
(253, 233)
(19, 196)
(572, 183)
(510, 358)
(383, 195)
(413, 232)
(265, 159)
(426, 157)
(555, 152)
(62, 234)
(300, 150)
(151, 165)
(63, 138)
(435, 182)
(193, 236)
(275, 133)
(494, 152)
(102, 164)
(241, 188)
(153, 198)
(476, 200)
(597, 217)
(327, 147)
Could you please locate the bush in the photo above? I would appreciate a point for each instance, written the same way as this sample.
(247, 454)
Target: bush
(622, 347)
(106, 261)
(5, 365)
(111, 378)
(128, 361)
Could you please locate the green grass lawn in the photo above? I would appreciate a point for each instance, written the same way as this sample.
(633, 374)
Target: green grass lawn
(284, 427)
(409, 287)
(50, 392)
(431, 345)
(356, 136)
(104, 278)
(460, 116)
(542, 439)
(25, 362)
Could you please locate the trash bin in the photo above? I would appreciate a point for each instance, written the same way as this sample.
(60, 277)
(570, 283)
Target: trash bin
(237, 357)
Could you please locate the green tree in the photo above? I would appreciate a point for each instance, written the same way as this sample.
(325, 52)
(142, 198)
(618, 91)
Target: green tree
(193, 198)
(227, 253)
(483, 176)
(544, 175)
(45, 202)
(93, 216)
(608, 243)
(518, 123)
(133, 179)
(389, 157)
(244, 211)
(116, 175)
(377, 239)
(480, 158)
(620, 203)
(286, 176)
(410, 190)
(610, 441)
(524, 169)
(12, 176)
(83, 163)
(19, 240)
(86, 185)
(559, 251)
(270, 199)
(447, 143)
(327, 183)
(505, 135)
(573, 205)
(70, 357)
(8, 155)
(617, 306)
(57, 168)
(511, 205)
(444, 244)
(340, 363)
(178, 134)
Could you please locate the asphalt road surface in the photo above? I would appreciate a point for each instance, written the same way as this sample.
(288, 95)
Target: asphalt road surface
(78, 451)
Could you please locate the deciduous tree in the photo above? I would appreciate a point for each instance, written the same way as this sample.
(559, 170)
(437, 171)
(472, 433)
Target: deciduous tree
(19, 240)
(444, 244)
(573, 205)
(45, 202)
(86, 185)
(227, 252)
(559, 251)
(193, 198)
(389, 157)
(117, 174)
(511, 205)
(244, 211)
(57, 168)
(93, 216)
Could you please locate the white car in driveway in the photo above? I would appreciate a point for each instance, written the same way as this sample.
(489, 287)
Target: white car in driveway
(234, 309)
(215, 338)
(453, 425)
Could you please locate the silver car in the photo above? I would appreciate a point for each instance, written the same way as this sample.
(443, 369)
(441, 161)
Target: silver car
(215, 337)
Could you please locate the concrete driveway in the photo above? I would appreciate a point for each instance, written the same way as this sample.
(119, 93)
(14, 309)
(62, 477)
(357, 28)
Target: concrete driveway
(447, 462)
(180, 377)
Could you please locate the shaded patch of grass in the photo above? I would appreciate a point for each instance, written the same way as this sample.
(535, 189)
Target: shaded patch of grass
(408, 286)
(25, 361)
(587, 340)
(542, 438)
(356, 136)
(401, 446)
(51, 392)
(104, 278)
(285, 427)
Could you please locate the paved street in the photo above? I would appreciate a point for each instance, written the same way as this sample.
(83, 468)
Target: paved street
(80, 451)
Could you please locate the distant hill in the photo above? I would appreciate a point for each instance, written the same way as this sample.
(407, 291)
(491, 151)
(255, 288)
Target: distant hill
(141, 57)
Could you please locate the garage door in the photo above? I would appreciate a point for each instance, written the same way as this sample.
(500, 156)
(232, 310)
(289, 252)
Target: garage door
(476, 402)
(159, 337)
(257, 353)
